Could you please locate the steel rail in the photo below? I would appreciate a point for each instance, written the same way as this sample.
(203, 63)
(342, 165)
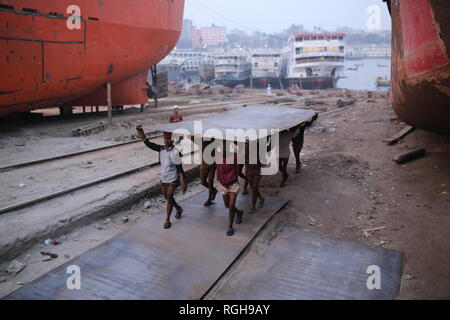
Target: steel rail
(82, 186)
(74, 154)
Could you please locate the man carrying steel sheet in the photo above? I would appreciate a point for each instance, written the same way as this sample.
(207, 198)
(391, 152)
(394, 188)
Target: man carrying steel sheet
(172, 173)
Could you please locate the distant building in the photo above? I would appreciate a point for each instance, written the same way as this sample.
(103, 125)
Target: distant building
(196, 39)
(369, 51)
(186, 34)
(378, 51)
(214, 36)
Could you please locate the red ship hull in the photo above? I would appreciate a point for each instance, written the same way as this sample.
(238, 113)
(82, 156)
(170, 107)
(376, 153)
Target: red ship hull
(44, 63)
(421, 63)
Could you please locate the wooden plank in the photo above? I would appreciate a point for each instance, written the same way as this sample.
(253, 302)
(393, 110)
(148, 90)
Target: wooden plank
(399, 136)
(410, 155)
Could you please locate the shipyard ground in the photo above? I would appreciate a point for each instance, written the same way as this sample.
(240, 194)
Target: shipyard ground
(348, 184)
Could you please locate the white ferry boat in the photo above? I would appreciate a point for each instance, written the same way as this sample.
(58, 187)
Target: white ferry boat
(266, 68)
(314, 61)
(185, 66)
(233, 68)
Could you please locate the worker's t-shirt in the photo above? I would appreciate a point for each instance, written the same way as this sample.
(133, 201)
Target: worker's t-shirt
(227, 172)
(285, 142)
(170, 159)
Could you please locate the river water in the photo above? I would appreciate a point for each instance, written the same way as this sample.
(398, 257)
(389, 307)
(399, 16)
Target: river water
(364, 77)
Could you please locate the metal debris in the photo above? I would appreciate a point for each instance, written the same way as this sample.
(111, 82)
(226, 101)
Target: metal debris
(89, 129)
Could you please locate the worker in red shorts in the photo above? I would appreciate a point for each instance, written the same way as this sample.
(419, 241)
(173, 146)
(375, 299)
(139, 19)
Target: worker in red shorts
(227, 174)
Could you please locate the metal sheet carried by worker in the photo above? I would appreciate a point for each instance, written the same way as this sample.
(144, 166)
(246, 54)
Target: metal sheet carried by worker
(307, 266)
(254, 117)
(147, 262)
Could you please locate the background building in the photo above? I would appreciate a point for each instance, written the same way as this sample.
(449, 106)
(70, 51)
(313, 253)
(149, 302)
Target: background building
(186, 34)
(214, 36)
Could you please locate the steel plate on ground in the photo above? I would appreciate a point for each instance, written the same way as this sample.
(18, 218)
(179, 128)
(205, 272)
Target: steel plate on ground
(304, 266)
(148, 262)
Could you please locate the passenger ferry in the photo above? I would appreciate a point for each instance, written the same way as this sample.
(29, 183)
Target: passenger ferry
(266, 68)
(314, 61)
(233, 68)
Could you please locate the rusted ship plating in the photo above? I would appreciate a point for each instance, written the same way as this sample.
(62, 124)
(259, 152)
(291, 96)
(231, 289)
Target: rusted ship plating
(44, 62)
(421, 63)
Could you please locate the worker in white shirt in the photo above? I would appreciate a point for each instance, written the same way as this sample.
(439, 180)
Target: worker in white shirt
(269, 90)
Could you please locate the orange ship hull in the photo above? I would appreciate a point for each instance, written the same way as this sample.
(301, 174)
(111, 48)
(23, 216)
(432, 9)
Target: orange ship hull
(421, 62)
(44, 63)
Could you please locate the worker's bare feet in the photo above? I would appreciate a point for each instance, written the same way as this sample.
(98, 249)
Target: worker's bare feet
(214, 194)
(285, 178)
(179, 213)
(262, 201)
(167, 225)
(208, 203)
(239, 214)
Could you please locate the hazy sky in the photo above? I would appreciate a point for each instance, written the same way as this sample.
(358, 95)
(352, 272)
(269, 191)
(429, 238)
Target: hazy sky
(274, 16)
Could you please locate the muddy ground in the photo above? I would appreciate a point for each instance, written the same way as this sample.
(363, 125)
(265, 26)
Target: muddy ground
(348, 183)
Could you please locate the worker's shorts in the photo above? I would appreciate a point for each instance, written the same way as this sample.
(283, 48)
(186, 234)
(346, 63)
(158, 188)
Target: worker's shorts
(234, 188)
(175, 184)
(207, 167)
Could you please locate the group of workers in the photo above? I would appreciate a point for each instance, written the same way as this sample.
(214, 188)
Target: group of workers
(228, 171)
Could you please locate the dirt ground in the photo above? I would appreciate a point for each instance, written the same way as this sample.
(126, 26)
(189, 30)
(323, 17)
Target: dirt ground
(348, 183)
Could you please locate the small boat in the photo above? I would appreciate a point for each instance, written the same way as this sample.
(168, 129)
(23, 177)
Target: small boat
(383, 66)
(353, 68)
(383, 82)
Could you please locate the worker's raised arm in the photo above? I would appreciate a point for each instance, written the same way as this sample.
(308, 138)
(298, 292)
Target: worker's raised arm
(153, 146)
(143, 137)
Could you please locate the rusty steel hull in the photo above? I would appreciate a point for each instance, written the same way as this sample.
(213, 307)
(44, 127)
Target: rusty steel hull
(421, 63)
(43, 63)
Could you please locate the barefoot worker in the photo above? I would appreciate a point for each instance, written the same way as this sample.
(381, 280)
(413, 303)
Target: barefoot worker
(172, 173)
(208, 172)
(253, 174)
(176, 115)
(175, 118)
(298, 142)
(227, 174)
(285, 152)
(297, 146)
